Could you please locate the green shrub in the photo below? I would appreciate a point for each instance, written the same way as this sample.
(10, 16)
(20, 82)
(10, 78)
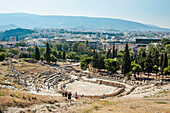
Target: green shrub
(53, 107)
(1, 94)
(34, 98)
(24, 97)
(161, 102)
(17, 96)
(145, 96)
(12, 95)
(97, 107)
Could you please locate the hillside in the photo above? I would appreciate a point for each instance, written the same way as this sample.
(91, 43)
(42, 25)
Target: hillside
(38, 21)
(14, 32)
(7, 27)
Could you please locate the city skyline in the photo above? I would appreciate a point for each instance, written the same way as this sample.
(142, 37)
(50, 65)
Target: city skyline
(155, 12)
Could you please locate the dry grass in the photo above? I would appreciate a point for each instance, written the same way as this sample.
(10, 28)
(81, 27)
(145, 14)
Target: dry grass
(12, 98)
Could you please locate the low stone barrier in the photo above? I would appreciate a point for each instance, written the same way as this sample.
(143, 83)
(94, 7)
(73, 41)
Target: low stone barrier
(120, 90)
(106, 83)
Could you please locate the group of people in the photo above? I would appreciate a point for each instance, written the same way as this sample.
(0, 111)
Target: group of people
(69, 95)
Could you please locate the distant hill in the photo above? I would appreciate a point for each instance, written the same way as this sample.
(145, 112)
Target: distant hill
(14, 32)
(25, 20)
(7, 27)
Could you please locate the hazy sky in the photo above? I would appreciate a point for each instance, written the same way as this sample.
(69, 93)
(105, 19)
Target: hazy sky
(156, 12)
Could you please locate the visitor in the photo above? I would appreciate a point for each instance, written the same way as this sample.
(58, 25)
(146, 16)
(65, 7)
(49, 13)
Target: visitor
(104, 96)
(69, 95)
(76, 95)
(79, 77)
(65, 94)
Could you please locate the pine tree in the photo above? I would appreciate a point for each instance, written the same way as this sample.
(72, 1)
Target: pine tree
(36, 54)
(47, 53)
(126, 62)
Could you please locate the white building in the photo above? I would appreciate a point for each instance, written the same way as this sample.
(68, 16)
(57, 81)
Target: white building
(40, 42)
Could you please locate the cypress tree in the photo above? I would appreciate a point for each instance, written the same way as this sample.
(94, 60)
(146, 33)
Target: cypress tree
(64, 55)
(160, 63)
(59, 56)
(149, 64)
(37, 54)
(108, 54)
(165, 61)
(156, 57)
(113, 51)
(94, 52)
(47, 53)
(116, 53)
(126, 61)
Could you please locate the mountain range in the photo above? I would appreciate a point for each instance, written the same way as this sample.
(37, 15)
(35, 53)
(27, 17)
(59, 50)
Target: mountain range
(25, 20)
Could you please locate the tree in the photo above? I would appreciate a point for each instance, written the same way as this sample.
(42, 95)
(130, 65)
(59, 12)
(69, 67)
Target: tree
(155, 56)
(85, 62)
(136, 69)
(2, 50)
(111, 65)
(59, 56)
(36, 54)
(73, 55)
(151, 47)
(148, 64)
(47, 53)
(24, 55)
(83, 65)
(41, 58)
(58, 47)
(141, 58)
(87, 43)
(108, 54)
(53, 58)
(167, 48)
(41, 50)
(54, 52)
(126, 62)
(160, 63)
(165, 61)
(95, 60)
(98, 61)
(155, 69)
(75, 47)
(64, 55)
(2, 56)
(166, 71)
(65, 47)
(113, 51)
(116, 52)
(13, 51)
(22, 44)
(164, 41)
(82, 49)
(30, 49)
(101, 62)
